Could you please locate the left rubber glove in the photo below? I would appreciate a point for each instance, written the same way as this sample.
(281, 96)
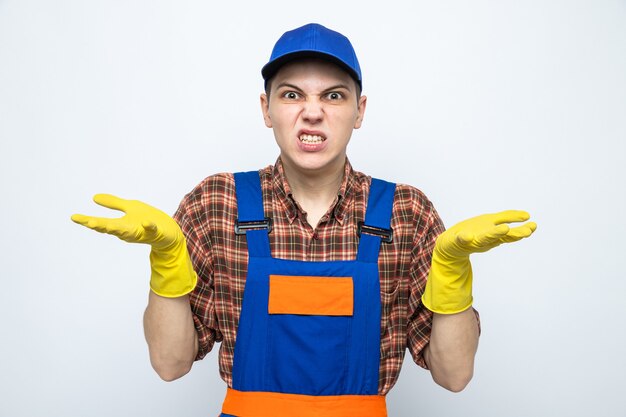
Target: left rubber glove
(449, 286)
(172, 272)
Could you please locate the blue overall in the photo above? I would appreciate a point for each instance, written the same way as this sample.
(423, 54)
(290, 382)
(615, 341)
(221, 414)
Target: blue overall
(307, 354)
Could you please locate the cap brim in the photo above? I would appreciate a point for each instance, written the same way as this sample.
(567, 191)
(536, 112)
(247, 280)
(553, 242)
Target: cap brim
(271, 68)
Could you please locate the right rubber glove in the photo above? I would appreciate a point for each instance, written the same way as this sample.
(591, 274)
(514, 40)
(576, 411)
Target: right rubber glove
(449, 286)
(172, 272)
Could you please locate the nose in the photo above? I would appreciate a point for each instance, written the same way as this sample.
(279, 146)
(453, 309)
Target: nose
(313, 111)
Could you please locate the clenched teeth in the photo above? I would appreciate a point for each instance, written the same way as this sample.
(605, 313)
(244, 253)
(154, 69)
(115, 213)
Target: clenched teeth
(311, 138)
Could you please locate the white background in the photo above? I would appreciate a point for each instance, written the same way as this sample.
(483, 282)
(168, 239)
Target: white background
(484, 105)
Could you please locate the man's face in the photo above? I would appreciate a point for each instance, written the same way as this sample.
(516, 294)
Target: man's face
(313, 108)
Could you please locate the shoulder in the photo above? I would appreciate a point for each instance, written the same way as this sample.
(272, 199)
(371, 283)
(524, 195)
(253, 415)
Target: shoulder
(411, 201)
(413, 215)
(407, 201)
(209, 190)
(412, 207)
(217, 190)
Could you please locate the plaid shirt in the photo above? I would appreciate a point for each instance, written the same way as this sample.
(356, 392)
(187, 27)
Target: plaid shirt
(207, 217)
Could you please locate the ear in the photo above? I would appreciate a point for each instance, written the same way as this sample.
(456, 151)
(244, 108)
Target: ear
(265, 108)
(361, 111)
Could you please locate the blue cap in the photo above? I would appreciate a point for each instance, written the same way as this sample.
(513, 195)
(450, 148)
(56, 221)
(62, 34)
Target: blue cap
(313, 41)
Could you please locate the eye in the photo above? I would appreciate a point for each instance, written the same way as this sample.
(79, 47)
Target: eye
(291, 95)
(334, 95)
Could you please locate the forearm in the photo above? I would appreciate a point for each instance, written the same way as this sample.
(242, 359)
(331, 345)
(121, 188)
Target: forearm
(171, 335)
(452, 348)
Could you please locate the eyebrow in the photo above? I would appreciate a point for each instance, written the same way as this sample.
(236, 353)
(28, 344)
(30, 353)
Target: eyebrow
(287, 85)
(339, 87)
(295, 87)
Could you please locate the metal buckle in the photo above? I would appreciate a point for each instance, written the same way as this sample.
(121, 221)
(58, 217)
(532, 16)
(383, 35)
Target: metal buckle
(242, 227)
(385, 234)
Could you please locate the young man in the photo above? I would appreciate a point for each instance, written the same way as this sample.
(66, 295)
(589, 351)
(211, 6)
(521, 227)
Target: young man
(314, 277)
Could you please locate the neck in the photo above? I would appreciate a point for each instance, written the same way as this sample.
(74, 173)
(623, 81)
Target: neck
(314, 191)
(313, 185)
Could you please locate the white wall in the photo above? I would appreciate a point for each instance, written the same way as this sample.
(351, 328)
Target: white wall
(484, 105)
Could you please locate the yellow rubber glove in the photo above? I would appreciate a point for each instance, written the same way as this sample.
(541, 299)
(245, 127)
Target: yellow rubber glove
(449, 286)
(172, 272)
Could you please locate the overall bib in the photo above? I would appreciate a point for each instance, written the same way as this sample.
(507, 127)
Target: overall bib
(308, 340)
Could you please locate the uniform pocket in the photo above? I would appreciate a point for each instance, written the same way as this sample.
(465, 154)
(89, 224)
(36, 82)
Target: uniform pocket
(319, 296)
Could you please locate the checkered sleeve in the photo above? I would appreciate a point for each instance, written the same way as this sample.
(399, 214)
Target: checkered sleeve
(191, 219)
(419, 317)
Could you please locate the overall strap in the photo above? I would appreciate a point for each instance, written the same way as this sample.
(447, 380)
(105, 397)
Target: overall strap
(376, 227)
(251, 220)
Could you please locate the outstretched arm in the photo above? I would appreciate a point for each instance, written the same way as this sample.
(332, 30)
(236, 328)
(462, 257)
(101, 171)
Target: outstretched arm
(448, 293)
(168, 323)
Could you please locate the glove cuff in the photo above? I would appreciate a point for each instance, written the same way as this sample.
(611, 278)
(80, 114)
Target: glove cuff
(172, 273)
(449, 287)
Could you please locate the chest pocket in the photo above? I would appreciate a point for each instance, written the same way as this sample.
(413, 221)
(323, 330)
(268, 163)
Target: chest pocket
(311, 296)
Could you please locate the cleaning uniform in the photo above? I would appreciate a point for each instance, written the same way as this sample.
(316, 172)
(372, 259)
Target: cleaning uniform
(308, 340)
